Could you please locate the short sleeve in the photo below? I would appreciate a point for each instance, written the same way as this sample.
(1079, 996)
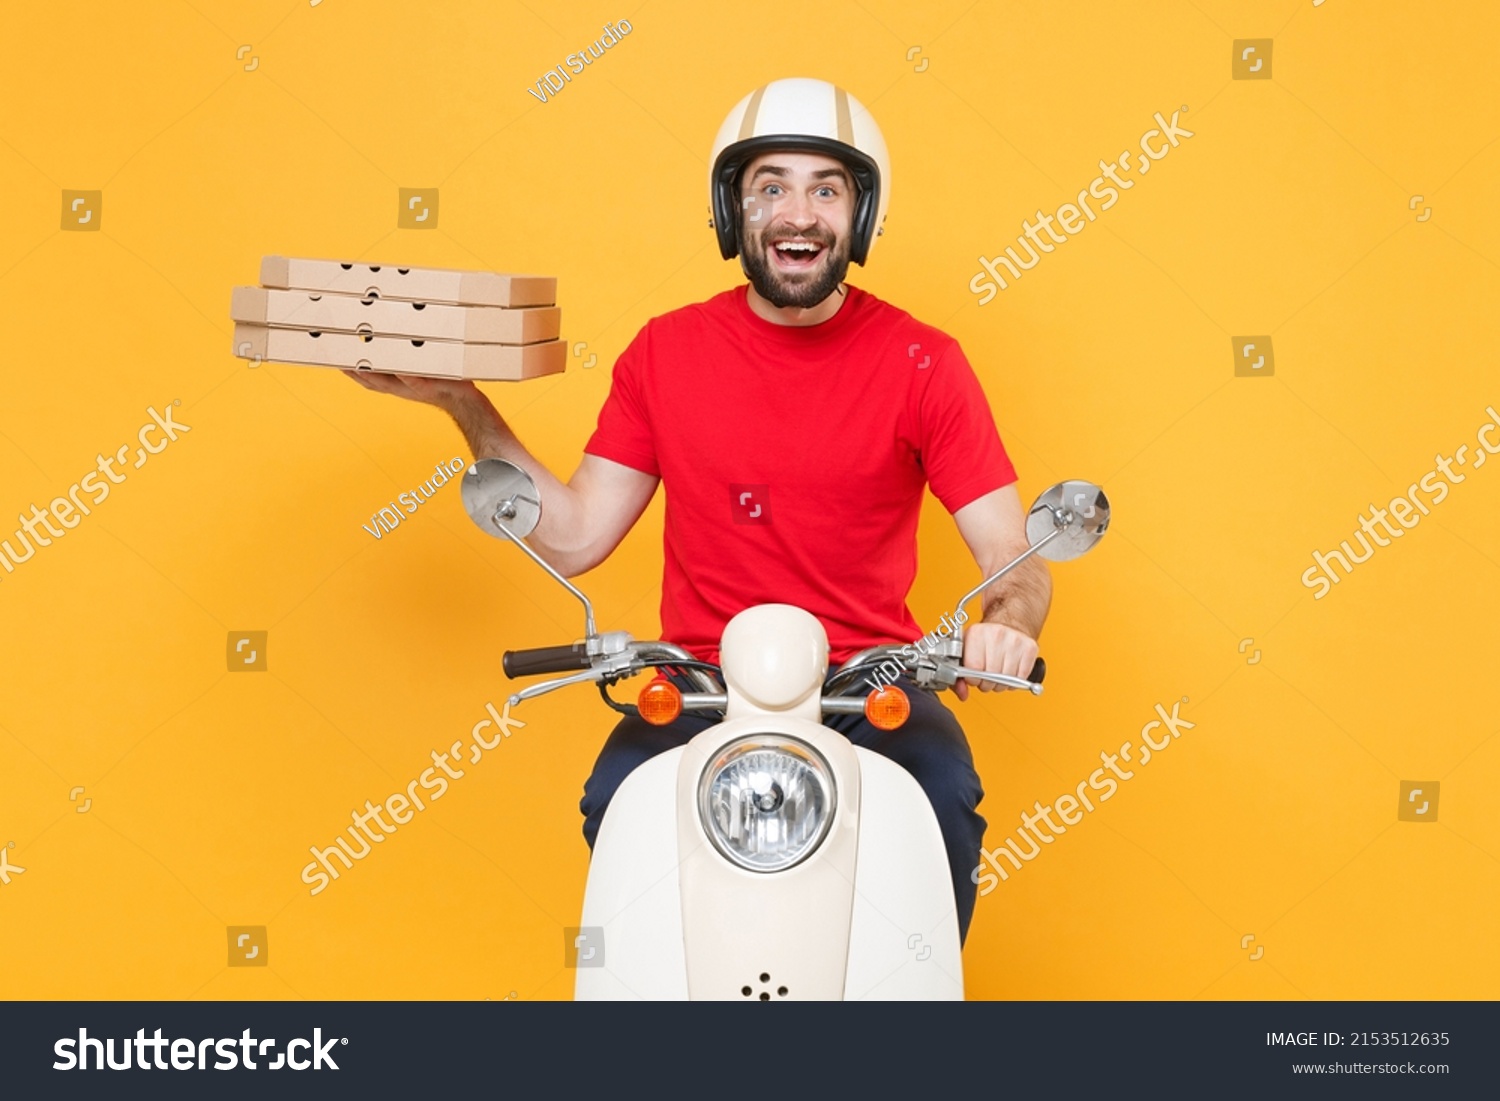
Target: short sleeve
(624, 433)
(961, 451)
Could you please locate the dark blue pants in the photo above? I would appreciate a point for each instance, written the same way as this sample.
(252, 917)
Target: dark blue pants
(930, 745)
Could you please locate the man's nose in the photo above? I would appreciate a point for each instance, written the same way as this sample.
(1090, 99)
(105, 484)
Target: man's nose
(799, 210)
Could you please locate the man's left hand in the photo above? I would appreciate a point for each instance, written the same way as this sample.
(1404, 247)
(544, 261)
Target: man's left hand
(996, 648)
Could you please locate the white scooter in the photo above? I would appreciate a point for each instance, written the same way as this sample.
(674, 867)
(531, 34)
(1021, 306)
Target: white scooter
(768, 858)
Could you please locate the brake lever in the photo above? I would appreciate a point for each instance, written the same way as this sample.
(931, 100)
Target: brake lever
(961, 673)
(541, 688)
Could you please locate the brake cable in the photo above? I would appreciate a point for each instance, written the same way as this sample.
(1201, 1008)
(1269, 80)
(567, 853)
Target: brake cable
(631, 709)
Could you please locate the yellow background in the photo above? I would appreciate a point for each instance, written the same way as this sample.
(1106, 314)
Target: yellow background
(1287, 213)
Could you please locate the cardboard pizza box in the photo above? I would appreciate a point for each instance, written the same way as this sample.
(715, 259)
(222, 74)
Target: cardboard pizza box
(326, 311)
(446, 285)
(398, 355)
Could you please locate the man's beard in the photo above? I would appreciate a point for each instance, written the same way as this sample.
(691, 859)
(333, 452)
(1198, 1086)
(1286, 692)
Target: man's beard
(782, 291)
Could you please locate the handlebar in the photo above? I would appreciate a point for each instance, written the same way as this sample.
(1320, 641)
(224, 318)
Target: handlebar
(629, 656)
(545, 659)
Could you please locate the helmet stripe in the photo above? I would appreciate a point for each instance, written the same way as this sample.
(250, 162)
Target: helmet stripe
(841, 109)
(752, 109)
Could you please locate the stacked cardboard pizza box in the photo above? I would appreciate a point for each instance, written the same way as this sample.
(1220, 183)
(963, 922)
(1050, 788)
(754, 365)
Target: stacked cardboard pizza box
(438, 322)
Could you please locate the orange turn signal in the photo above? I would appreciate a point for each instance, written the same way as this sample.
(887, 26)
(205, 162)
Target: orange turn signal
(887, 708)
(660, 702)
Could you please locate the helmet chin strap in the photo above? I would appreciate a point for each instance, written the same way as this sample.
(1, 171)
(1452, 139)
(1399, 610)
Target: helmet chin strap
(839, 290)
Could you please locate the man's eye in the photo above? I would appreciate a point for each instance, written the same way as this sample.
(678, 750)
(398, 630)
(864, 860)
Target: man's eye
(827, 192)
(773, 188)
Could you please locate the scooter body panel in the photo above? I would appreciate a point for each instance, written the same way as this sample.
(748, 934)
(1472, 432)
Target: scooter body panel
(633, 893)
(870, 915)
(903, 940)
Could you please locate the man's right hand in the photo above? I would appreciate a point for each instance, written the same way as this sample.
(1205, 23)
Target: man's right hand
(446, 393)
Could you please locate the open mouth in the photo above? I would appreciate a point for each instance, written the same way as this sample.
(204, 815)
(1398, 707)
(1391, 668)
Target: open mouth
(795, 254)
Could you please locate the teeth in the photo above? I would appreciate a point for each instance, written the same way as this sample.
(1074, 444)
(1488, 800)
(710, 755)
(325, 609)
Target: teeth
(801, 246)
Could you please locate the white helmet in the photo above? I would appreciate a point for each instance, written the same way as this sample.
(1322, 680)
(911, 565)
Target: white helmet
(806, 115)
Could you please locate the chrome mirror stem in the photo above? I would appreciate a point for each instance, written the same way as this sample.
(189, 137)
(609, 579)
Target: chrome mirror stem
(998, 574)
(588, 609)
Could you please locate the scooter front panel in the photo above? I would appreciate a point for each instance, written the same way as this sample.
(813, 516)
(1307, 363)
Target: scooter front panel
(870, 914)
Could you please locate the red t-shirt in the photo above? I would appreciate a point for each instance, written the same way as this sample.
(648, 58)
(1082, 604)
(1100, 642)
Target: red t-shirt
(793, 460)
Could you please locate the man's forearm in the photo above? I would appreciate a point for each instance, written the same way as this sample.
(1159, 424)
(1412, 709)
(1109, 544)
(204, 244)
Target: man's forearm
(488, 436)
(1021, 598)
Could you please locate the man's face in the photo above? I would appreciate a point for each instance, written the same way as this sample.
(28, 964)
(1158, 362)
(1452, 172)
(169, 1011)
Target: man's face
(795, 215)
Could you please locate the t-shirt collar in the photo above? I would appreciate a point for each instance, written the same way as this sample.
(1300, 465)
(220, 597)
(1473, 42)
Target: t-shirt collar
(798, 334)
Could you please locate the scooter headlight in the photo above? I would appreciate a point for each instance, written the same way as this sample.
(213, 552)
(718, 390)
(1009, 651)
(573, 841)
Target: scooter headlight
(767, 802)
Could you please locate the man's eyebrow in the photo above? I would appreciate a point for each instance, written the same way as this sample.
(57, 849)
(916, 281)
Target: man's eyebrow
(820, 174)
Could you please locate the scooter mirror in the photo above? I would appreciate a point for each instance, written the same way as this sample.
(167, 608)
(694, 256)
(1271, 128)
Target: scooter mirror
(1075, 514)
(503, 500)
(499, 496)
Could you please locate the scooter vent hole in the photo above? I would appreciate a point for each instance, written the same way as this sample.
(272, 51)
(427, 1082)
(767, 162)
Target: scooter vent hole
(765, 995)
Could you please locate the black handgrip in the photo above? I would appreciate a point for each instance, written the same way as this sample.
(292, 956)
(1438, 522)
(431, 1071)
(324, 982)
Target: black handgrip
(1038, 672)
(545, 659)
